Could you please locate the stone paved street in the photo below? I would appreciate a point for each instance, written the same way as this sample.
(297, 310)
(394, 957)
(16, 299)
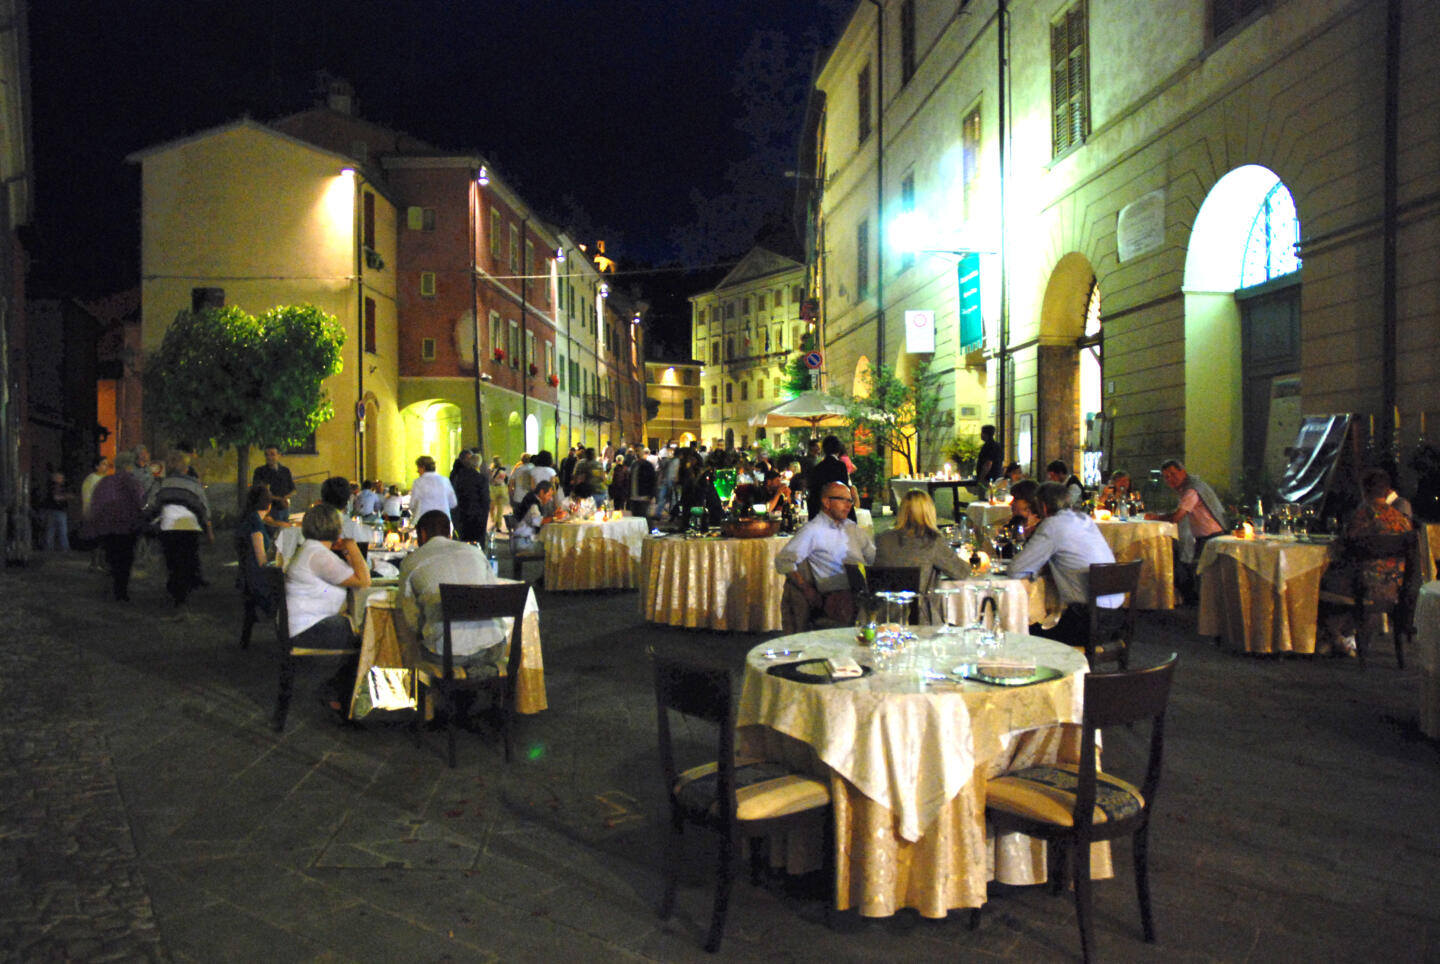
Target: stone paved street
(147, 811)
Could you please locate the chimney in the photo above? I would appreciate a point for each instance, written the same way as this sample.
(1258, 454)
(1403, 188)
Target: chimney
(341, 97)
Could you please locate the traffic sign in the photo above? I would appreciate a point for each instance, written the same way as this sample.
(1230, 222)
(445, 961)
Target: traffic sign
(812, 360)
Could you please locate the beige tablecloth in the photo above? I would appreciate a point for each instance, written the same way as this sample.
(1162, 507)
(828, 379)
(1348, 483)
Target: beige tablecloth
(1261, 595)
(984, 514)
(1427, 654)
(908, 768)
(1429, 548)
(386, 641)
(1152, 542)
(593, 555)
(711, 583)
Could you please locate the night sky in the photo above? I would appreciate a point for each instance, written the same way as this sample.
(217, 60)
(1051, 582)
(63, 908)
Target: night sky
(613, 117)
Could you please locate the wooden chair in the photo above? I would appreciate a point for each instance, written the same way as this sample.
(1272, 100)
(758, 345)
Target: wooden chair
(886, 579)
(1071, 807)
(254, 592)
(733, 798)
(275, 584)
(461, 604)
(1110, 630)
(1401, 546)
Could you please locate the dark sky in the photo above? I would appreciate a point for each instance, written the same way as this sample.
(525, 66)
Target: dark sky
(611, 115)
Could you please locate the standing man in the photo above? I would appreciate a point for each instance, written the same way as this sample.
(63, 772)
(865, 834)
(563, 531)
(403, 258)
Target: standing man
(1200, 518)
(567, 470)
(643, 485)
(472, 495)
(829, 469)
(990, 462)
(1069, 543)
(813, 562)
(1058, 471)
(277, 476)
(430, 490)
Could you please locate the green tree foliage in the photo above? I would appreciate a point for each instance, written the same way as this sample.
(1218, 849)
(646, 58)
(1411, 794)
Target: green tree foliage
(228, 379)
(899, 415)
(798, 378)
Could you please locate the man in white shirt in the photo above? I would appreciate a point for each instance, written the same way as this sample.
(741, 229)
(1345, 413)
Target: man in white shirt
(1068, 543)
(813, 563)
(476, 644)
(430, 490)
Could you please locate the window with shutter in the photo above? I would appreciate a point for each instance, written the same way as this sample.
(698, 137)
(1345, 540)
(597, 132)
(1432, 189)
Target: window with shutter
(1070, 96)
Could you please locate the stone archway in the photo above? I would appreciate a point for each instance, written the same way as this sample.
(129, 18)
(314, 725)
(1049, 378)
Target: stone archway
(1067, 361)
(1241, 327)
(432, 427)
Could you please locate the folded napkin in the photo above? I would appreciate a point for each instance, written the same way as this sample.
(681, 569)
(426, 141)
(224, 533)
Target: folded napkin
(842, 667)
(1006, 668)
(383, 569)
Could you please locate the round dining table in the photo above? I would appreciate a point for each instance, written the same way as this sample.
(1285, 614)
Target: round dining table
(1152, 542)
(586, 554)
(702, 582)
(1261, 595)
(908, 761)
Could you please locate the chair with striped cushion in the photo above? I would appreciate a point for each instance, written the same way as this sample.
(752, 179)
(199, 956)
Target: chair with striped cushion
(734, 798)
(1072, 806)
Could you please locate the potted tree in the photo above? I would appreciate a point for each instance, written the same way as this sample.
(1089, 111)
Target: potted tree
(867, 478)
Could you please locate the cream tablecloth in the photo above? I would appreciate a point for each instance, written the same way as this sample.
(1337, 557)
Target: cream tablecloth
(1427, 654)
(1429, 548)
(288, 539)
(1152, 542)
(985, 514)
(1261, 595)
(908, 768)
(593, 555)
(1023, 601)
(386, 641)
(711, 583)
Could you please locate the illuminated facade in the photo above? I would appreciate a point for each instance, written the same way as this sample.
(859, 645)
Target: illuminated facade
(1152, 200)
(743, 332)
(675, 387)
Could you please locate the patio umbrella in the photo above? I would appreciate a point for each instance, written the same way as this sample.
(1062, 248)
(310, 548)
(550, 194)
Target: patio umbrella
(810, 410)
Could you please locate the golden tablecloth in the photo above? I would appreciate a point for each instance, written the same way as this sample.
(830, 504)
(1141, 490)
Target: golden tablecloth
(1427, 654)
(593, 555)
(908, 769)
(385, 641)
(1152, 542)
(1429, 548)
(985, 514)
(1261, 595)
(711, 583)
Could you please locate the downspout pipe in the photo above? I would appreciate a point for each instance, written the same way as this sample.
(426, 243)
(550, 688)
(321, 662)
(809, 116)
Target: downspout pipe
(1390, 231)
(1003, 356)
(475, 305)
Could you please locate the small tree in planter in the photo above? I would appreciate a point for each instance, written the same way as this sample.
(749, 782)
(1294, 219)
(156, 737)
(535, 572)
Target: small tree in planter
(868, 478)
(896, 414)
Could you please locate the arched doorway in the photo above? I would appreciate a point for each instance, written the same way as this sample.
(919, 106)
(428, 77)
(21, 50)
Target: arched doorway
(431, 428)
(1068, 362)
(532, 433)
(371, 458)
(1242, 329)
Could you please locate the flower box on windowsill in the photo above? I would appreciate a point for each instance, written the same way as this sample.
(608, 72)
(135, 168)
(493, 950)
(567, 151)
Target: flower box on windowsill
(499, 354)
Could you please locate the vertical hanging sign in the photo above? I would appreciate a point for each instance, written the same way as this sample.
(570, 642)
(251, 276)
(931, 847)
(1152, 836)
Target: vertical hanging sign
(972, 327)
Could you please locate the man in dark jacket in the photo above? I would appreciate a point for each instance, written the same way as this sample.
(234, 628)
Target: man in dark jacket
(472, 495)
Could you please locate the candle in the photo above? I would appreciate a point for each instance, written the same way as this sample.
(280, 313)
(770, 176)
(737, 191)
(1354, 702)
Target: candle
(1372, 426)
(1396, 424)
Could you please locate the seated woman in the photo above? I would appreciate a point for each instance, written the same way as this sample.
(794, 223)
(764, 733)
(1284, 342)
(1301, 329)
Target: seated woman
(253, 535)
(1119, 489)
(916, 541)
(325, 565)
(1024, 510)
(1377, 579)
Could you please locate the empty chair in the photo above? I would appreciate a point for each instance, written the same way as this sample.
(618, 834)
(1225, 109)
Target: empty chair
(518, 556)
(461, 604)
(873, 579)
(1110, 631)
(1072, 806)
(733, 798)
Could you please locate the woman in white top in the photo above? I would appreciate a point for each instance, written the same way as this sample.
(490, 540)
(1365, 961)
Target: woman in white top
(315, 592)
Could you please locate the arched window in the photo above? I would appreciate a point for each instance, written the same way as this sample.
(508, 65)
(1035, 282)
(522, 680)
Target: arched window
(1270, 249)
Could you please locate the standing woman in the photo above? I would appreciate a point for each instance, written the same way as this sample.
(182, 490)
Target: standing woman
(499, 494)
(184, 513)
(117, 511)
(315, 593)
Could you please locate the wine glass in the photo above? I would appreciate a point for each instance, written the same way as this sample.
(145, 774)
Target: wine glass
(940, 601)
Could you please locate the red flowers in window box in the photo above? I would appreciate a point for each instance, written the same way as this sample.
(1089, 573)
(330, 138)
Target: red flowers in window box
(534, 369)
(499, 354)
(554, 381)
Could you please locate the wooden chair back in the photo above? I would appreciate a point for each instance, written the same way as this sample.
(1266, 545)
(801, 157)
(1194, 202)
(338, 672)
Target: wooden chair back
(1111, 631)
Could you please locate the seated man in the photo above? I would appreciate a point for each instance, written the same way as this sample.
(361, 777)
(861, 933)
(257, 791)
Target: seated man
(1058, 471)
(813, 563)
(533, 512)
(477, 645)
(1068, 543)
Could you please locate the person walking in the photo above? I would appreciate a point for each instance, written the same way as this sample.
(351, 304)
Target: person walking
(117, 513)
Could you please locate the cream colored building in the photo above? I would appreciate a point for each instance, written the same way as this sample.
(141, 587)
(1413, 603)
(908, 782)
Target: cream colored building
(743, 332)
(1195, 208)
(265, 219)
(675, 387)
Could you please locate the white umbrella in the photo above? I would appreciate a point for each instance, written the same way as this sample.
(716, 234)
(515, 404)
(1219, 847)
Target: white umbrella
(810, 410)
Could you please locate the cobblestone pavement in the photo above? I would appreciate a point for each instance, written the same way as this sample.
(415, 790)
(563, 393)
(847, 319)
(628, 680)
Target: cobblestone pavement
(148, 812)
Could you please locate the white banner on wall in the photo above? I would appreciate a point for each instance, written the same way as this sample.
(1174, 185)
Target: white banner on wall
(919, 332)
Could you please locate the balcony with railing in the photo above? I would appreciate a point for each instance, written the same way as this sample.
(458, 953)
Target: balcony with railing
(598, 408)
